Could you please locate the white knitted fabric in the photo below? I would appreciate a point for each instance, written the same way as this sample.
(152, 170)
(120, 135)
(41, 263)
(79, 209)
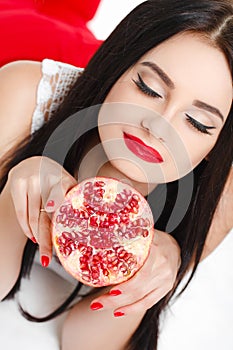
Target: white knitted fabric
(57, 80)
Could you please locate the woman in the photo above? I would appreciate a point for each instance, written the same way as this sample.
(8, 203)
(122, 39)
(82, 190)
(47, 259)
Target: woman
(170, 59)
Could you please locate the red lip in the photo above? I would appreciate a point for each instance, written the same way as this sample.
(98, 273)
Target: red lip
(141, 150)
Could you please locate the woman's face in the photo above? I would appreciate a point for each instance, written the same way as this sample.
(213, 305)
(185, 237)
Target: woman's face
(164, 114)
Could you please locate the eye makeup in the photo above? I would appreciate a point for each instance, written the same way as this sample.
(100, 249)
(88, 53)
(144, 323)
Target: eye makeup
(145, 88)
(198, 126)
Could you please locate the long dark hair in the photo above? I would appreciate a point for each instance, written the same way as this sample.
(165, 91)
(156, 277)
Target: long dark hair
(146, 26)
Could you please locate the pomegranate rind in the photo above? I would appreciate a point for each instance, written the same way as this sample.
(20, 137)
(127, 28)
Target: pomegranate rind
(102, 244)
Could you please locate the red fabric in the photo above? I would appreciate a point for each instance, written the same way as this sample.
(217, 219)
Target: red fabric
(55, 29)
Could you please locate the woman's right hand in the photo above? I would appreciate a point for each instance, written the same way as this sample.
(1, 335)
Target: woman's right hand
(36, 183)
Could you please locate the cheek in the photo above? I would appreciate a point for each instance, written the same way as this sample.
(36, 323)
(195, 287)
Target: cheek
(114, 117)
(198, 148)
(111, 138)
(195, 146)
(105, 133)
(120, 92)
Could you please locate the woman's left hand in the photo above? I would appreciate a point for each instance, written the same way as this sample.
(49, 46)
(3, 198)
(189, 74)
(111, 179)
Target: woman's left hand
(150, 284)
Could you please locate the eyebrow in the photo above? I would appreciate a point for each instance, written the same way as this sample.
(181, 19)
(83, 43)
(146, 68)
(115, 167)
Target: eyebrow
(208, 108)
(167, 80)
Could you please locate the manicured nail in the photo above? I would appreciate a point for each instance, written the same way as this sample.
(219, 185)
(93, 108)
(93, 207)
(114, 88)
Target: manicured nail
(118, 314)
(44, 260)
(115, 292)
(50, 203)
(33, 240)
(96, 306)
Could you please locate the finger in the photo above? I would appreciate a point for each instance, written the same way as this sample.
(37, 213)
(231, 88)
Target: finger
(128, 292)
(34, 204)
(58, 192)
(142, 283)
(141, 305)
(45, 239)
(20, 201)
(122, 294)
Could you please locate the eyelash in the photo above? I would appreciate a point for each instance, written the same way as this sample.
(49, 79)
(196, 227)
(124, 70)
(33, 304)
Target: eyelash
(144, 88)
(200, 127)
(148, 91)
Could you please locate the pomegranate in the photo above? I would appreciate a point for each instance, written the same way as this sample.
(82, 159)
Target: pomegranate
(102, 232)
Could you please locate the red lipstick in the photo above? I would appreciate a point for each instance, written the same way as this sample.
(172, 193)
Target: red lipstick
(141, 150)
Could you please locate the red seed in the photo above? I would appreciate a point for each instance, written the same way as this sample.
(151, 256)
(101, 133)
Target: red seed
(99, 228)
(105, 272)
(145, 233)
(66, 235)
(84, 214)
(94, 221)
(99, 184)
(63, 209)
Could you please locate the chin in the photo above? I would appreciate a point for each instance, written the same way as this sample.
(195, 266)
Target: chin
(128, 171)
(132, 173)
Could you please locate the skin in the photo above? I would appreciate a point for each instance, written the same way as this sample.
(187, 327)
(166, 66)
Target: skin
(20, 201)
(190, 86)
(19, 81)
(161, 123)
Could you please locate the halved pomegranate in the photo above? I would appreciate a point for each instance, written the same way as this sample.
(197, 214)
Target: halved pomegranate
(103, 231)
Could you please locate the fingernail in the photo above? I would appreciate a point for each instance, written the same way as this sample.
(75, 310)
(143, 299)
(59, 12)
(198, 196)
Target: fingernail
(115, 292)
(96, 306)
(44, 260)
(50, 203)
(33, 240)
(118, 314)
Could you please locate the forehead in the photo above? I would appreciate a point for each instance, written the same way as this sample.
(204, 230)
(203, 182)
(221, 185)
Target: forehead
(198, 69)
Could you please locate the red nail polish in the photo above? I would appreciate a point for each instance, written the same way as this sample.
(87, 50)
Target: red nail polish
(115, 292)
(96, 306)
(50, 203)
(118, 313)
(44, 260)
(33, 240)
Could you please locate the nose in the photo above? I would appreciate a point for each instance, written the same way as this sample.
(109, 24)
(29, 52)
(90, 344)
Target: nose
(146, 124)
(159, 127)
(161, 124)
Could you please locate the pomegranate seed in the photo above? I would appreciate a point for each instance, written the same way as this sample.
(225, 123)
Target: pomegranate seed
(105, 272)
(66, 235)
(99, 228)
(58, 219)
(122, 254)
(84, 215)
(83, 259)
(86, 273)
(63, 209)
(88, 184)
(67, 251)
(99, 184)
(128, 192)
(134, 210)
(100, 192)
(93, 221)
(136, 197)
(145, 233)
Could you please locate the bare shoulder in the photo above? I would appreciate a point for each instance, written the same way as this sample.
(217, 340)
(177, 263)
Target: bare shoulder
(24, 74)
(18, 82)
(18, 89)
(21, 64)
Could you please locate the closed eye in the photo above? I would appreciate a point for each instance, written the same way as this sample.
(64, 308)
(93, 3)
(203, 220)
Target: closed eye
(145, 88)
(198, 126)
